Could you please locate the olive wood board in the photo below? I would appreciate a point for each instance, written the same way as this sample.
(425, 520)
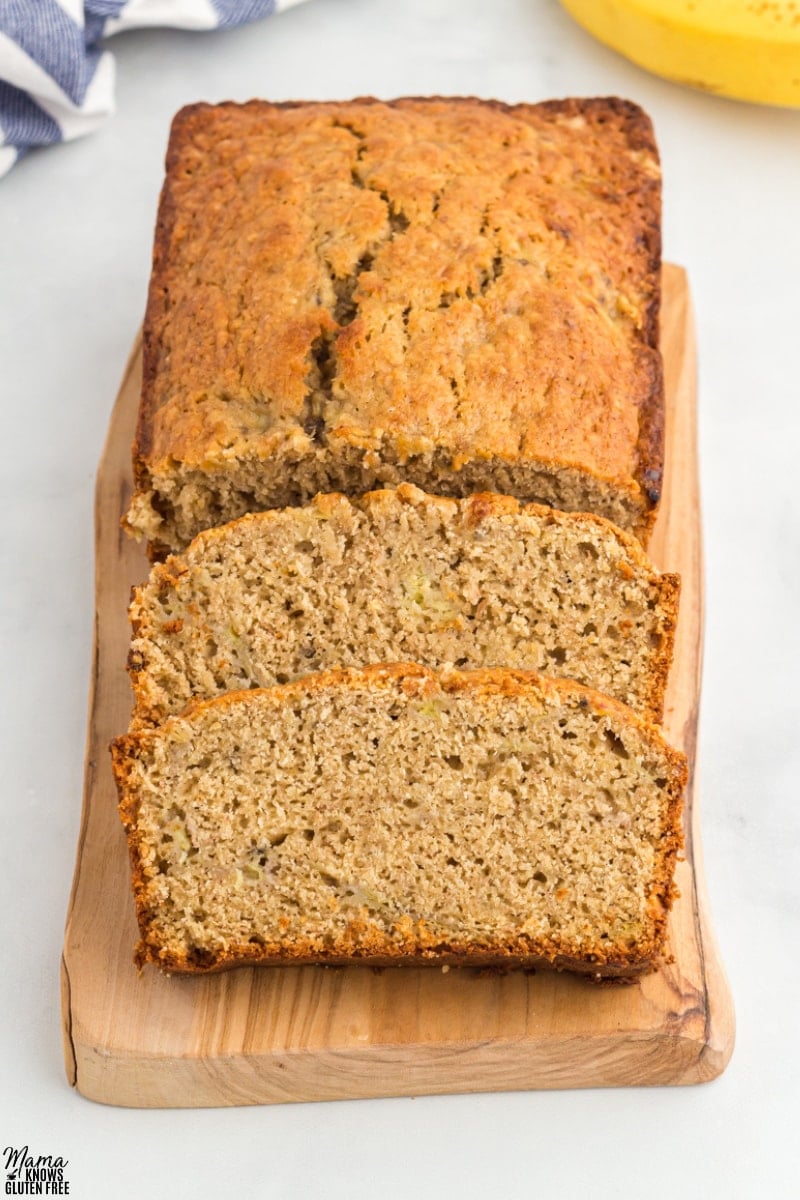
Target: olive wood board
(267, 1035)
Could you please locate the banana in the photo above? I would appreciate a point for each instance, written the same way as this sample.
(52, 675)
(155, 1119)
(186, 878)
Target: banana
(748, 50)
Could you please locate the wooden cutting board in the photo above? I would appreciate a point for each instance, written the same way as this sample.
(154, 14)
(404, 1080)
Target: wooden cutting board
(308, 1033)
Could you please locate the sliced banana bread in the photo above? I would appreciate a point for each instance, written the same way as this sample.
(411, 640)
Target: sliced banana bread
(400, 576)
(393, 815)
(456, 293)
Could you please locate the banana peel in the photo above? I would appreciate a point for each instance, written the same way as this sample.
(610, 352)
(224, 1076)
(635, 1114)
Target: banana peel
(746, 50)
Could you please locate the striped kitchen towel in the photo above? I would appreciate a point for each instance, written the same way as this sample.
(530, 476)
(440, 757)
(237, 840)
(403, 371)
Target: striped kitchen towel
(57, 81)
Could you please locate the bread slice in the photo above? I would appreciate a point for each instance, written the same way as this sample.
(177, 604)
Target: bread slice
(455, 293)
(401, 576)
(393, 815)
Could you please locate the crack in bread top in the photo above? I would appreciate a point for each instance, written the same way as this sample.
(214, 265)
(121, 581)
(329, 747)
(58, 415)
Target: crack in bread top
(431, 275)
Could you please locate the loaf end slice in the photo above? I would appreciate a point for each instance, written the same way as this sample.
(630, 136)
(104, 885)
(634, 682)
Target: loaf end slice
(393, 815)
(401, 576)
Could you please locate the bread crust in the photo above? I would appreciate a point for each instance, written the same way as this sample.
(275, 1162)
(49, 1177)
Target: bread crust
(363, 942)
(186, 421)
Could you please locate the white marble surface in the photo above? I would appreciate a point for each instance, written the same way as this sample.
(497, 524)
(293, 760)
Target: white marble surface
(75, 230)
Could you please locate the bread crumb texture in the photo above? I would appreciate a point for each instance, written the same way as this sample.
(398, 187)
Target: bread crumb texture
(394, 814)
(401, 576)
(455, 293)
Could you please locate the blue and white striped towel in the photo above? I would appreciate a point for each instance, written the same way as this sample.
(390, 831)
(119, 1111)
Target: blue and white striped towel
(57, 82)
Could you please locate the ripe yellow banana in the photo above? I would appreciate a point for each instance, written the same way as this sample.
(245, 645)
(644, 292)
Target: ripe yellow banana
(749, 49)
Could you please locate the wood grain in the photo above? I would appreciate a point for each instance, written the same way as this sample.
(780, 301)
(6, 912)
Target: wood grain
(259, 1036)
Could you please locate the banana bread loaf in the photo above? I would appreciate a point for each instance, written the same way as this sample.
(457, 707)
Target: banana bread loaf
(456, 293)
(392, 815)
(400, 576)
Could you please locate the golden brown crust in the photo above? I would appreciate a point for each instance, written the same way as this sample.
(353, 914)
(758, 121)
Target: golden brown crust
(380, 952)
(363, 941)
(532, 344)
(670, 585)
